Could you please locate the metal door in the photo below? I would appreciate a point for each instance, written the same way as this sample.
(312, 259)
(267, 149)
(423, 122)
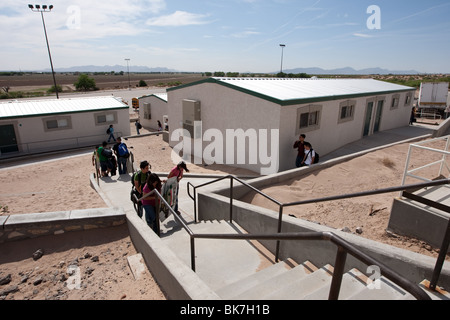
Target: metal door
(8, 141)
(368, 119)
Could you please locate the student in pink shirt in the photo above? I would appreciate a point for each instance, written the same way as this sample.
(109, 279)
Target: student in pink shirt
(178, 172)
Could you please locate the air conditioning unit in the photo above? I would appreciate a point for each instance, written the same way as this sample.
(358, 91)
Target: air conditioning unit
(192, 114)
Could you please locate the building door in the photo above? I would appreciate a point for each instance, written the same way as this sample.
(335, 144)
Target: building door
(368, 119)
(378, 114)
(8, 141)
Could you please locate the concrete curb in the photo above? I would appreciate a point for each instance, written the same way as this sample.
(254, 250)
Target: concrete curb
(31, 225)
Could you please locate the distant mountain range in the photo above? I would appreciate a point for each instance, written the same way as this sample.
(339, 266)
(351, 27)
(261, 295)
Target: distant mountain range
(116, 68)
(311, 71)
(348, 71)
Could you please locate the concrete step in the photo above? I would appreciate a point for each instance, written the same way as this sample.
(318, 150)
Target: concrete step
(352, 282)
(387, 290)
(230, 291)
(299, 288)
(217, 262)
(266, 288)
(438, 294)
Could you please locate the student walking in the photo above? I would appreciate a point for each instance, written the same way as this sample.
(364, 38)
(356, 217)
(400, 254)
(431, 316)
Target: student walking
(151, 202)
(178, 172)
(310, 154)
(122, 154)
(139, 180)
(138, 126)
(110, 131)
(300, 146)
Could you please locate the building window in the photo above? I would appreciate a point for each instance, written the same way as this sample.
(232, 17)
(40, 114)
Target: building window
(346, 111)
(57, 123)
(395, 100)
(408, 99)
(308, 118)
(105, 118)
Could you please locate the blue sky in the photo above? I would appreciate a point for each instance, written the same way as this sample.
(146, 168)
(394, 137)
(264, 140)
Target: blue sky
(229, 35)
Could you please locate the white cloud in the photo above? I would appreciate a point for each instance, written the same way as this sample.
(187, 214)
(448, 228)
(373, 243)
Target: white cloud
(245, 34)
(178, 19)
(362, 35)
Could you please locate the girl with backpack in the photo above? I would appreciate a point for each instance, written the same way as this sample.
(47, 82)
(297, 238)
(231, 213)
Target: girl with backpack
(150, 203)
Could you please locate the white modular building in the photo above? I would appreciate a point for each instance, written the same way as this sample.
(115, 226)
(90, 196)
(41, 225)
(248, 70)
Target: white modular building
(153, 108)
(253, 122)
(36, 126)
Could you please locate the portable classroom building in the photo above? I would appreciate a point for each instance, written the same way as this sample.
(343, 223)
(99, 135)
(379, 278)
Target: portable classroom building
(56, 124)
(153, 108)
(263, 117)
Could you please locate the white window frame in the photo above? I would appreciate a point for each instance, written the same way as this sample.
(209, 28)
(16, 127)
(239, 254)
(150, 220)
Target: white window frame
(62, 123)
(110, 118)
(395, 101)
(408, 99)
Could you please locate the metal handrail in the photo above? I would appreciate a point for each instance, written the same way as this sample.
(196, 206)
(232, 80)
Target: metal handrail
(231, 177)
(178, 218)
(344, 247)
(445, 242)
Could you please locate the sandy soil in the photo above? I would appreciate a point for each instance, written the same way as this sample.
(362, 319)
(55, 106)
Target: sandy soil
(41, 186)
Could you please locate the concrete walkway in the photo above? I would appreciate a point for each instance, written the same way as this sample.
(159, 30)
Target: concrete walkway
(383, 139)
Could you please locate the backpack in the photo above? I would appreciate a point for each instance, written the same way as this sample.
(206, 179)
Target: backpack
(122, 150)
(316, 157)
(138, 175)
(107, 131)
(107, 153)
(139, 126)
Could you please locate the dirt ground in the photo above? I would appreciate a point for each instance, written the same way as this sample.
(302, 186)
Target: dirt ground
(47, 185)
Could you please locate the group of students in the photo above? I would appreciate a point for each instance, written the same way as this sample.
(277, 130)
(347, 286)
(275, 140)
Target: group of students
(111, 159)
(144, 182)
(306, 154)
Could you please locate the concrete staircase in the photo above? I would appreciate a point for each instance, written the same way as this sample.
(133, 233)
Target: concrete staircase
(243, 270)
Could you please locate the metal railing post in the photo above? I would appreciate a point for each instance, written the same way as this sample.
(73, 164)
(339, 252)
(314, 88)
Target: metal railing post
(195, 205)
(193, 253)
(441, 258)
(280, 217)
(338, 272)
(231, 199)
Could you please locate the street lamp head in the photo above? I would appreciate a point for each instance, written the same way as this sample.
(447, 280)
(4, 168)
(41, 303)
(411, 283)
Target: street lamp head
(39, 8)
(282, 45)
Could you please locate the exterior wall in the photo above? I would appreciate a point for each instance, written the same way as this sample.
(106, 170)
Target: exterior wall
(221, 109)
(82, 130)
(333, 133)
(159, 109)
(225, 108)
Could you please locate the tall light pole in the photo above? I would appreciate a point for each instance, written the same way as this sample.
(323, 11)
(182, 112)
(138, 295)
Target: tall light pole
(42, 9)
(282, 49)
(128, 69)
